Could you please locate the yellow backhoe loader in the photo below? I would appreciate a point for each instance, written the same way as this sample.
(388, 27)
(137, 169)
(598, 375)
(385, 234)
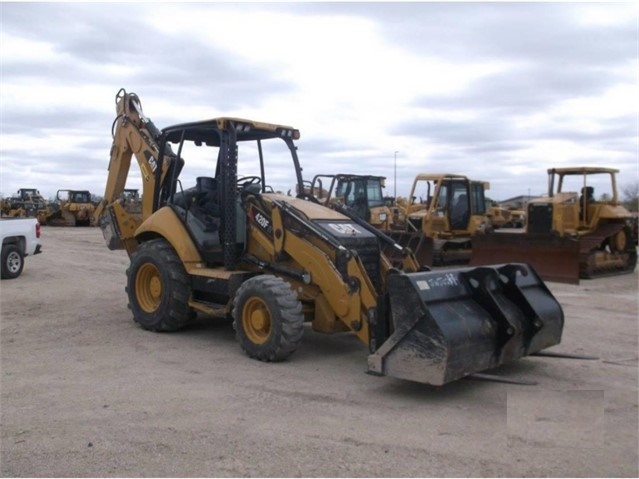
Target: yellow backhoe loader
(569, 235)
(442, 213)
(361, 193)
(227, 247)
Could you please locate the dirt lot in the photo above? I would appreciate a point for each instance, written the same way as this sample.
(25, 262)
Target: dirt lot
(85, 392)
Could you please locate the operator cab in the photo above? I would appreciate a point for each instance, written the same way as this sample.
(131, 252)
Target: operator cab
(227, 159)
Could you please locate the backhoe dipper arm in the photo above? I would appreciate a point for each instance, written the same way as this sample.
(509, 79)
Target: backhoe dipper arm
(134, 134)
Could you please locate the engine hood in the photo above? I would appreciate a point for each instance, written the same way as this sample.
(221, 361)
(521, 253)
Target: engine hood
(313, 211)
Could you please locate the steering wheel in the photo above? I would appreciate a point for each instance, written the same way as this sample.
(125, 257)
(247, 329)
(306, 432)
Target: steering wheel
(249, 180)
(249, 185)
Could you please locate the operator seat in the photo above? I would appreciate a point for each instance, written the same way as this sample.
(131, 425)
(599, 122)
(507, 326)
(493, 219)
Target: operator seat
(589, 193)
(206, 188)
(460, 216)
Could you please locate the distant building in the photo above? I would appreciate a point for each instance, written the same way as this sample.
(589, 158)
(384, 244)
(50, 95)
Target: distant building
(517, 203)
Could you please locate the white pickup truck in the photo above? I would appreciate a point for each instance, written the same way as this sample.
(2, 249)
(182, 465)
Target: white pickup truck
(20, 238)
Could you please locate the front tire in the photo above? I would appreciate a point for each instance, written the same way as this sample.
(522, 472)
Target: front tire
(267, 318)
(12, 261)
(158, 288)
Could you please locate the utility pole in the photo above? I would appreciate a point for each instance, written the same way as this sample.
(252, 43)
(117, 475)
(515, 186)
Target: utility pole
(395, 180)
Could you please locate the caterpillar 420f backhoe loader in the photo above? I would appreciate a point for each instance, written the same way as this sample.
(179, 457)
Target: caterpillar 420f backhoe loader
(226, 247)
(568, 235)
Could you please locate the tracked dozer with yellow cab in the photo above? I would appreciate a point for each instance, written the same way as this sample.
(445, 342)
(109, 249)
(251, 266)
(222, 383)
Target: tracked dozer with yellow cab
(569, 234)
(442, 213)
(225, 246)
(72, 208)
(361, 193)
(130, 199)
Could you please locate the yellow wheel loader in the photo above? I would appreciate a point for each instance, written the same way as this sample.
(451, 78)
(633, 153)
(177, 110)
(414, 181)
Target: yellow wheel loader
(361, 193)
(72, 208)
(569, 234)
(225, 246)
(28, 202)
(442, 213)
(500, 217)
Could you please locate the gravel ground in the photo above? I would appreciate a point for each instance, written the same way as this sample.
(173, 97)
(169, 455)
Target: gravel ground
(87, 393)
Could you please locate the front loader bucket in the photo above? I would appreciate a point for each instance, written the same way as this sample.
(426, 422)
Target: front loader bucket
(421, 245)
(452, 323)
(553, 257)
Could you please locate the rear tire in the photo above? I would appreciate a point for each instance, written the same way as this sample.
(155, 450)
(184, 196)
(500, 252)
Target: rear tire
(12, 261)
(267, 318)
(158, 288)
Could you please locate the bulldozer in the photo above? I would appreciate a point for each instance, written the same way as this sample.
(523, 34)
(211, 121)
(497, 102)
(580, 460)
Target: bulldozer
(28, 202)
(226, 246)
(569, 234)
(72, 208)
(361, 193)
(130, 199)
(442, 213)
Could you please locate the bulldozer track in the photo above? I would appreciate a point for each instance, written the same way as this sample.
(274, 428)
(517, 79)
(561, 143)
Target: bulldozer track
(589, 246)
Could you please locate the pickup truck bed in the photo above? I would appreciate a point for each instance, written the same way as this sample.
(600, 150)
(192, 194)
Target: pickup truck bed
(20, 238)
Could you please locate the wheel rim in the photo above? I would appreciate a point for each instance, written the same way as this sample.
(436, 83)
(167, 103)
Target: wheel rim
(13, 262)
(148, 287)
(256, 321)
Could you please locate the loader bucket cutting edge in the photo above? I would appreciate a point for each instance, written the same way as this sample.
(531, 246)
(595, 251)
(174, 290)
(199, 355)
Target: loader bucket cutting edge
(554, 258)
(452, 323)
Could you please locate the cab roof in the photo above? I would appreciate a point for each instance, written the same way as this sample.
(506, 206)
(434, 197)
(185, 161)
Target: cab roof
(437, 176)
(246, 130)
(581, 170)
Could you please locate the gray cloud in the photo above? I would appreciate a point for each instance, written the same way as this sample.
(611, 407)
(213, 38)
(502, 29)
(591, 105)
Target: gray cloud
(551, 54)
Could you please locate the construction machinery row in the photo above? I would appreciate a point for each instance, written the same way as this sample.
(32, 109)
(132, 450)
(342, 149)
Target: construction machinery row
(225, 245)
(446, 221)
(70, 207)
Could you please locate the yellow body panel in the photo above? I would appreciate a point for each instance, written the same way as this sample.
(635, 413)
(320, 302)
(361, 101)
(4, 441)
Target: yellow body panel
(166, 224)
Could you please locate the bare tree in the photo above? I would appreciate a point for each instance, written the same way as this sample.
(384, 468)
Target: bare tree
(630, 196)
(605, 197)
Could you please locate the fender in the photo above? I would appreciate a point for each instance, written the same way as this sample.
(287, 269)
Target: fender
(165, 223)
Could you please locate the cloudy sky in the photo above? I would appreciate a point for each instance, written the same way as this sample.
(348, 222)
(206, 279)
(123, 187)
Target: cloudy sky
(496, 91)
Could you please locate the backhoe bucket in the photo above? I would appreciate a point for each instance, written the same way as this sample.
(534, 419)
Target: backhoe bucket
(554, 258)
(452, 323)
(421, 245)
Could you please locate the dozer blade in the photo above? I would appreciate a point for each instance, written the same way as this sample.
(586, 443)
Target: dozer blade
(421, 245)
(553, 258)
(452, 323)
